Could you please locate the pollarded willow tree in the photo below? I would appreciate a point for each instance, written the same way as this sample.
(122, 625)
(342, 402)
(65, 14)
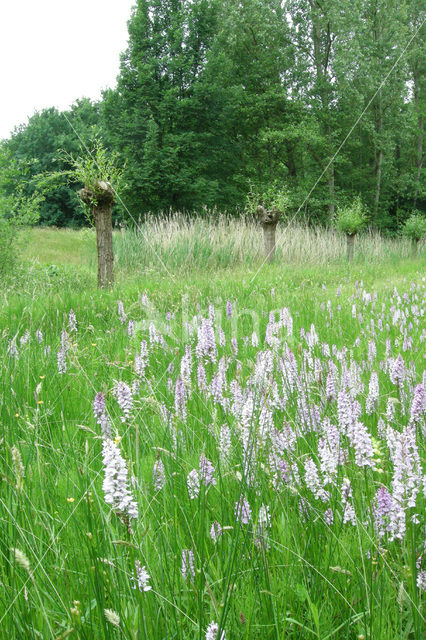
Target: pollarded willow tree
(100, 176)
(269, 206)
(350, 219)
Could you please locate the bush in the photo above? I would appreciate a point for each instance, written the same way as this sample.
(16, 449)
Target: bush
(415, 226)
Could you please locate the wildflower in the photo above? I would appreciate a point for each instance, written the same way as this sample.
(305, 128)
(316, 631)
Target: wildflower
(382, 508)
(201, 377)
(65, 341)
(372, 351)
(398, 371)
(330, 385)
(61, 361)
(361, 441)
(215, 531)
(229, 309)
(216, 388)
(212, 632)
(373, 394)
(121, 313)
(224, 442)
(180, 399)
(421, 580)
(234, 345)
(242, 511)
(158, 475)
(329, 450)
(39, 336)
(101, 415)
(142, 359)
(24, 339)
(381, 428)
(188, 564)
(115, 484)
(186, 367)
(206, 345)
(312, 480)
(112, 617)
(206, 471)
(193, 484)
(344, 411)
(124, 398)
(72, 321)
(390, 409)
(329, 517)
(141, 577)
(406, 481)
(418, 406)
(155, 336)
(130, 328)
(346, 495)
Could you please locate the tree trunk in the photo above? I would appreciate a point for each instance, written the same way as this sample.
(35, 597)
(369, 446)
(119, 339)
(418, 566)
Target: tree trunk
(420, 130)
(331, 190)
(101, 201)
(269, 239)
(378, 108)
(322, 39)
(379, 154)
(350, 242)
(414, 245)
(379, 164)
(103, 225)
(269, 220)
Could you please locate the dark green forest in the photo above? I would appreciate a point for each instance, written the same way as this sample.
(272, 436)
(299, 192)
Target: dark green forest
(215, 97)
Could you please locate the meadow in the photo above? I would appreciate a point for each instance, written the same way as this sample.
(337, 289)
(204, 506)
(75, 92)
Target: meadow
(215, 448)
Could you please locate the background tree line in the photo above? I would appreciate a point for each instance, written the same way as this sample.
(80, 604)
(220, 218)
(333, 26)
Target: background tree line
(214, 96)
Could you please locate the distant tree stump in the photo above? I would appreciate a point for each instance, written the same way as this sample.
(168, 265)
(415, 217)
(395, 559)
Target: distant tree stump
(268, 219)
(101, 200)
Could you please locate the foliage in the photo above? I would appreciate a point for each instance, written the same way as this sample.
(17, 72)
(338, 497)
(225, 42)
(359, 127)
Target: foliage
(271, 197)
(351, 218)
(95, 165)
(38, 144)
(17, 209)
(215, 95)
(415, 226)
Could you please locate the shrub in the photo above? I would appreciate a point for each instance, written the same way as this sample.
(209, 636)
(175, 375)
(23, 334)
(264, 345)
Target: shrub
(415, 226)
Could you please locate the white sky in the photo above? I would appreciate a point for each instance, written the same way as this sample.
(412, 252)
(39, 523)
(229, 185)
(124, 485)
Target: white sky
(55, 51)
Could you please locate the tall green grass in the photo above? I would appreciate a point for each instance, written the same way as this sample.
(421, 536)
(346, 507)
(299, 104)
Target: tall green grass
(315, 581)
(180, 242)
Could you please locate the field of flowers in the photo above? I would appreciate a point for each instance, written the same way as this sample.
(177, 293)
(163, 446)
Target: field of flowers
(215, 466)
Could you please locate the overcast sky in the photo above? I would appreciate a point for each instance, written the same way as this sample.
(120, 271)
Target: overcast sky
(55, 51)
